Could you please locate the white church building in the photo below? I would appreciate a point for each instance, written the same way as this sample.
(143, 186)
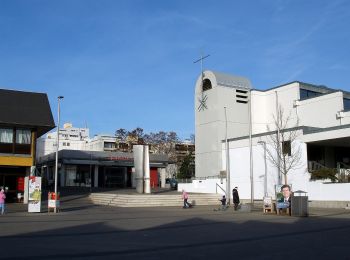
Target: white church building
(233, 120)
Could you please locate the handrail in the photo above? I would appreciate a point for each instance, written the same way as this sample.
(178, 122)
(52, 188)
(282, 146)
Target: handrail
(344, 165)
(313, 166)
(216, 188)
(198, 178)
(184, 180)
(343, 173)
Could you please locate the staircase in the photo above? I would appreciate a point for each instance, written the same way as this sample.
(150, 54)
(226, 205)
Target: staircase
(152, 200)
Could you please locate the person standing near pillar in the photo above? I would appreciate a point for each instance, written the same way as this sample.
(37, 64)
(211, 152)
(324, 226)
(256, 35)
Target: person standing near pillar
(2, 201)
(235, 197)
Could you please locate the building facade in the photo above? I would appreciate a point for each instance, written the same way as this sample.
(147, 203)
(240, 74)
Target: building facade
(317, 116)
(71, 138)
(24, 116)
(96, 169)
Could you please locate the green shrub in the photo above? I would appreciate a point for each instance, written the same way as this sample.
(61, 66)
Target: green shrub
(323, 174)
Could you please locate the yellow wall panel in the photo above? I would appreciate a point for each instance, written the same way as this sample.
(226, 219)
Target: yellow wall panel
(16, 161)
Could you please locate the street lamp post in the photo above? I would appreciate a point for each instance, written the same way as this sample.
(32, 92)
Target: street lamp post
(57, 145)
(265, 176)
(228, 188)
(251, 150)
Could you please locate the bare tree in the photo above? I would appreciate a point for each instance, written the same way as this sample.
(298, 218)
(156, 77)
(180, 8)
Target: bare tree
(284, 152)
(163, 142)
(160, 143)
(121, 134)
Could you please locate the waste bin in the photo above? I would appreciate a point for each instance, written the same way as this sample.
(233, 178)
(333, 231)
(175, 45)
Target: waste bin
(300, 204)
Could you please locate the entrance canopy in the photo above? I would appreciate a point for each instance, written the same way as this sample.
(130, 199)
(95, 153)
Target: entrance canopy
(338, 135)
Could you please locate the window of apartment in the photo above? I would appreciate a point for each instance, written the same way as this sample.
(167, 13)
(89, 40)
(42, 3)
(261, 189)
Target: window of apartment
(23, 141)
(346, 104)
(6, 140)
(286, 148)
(6, 135)
(68, 144)
(305, 94)
(109, 145)
(23, 136)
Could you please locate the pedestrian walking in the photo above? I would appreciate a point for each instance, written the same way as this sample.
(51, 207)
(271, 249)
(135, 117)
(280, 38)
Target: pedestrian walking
(235, 196)
(185, 198)
(2, 201)
(223, 203)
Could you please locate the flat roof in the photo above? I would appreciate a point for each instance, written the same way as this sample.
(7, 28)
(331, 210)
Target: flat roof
(100, 158)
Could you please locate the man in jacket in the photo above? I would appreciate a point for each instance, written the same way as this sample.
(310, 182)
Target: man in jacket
(235, 196)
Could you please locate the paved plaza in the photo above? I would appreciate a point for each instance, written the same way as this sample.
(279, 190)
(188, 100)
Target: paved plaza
(85, 231)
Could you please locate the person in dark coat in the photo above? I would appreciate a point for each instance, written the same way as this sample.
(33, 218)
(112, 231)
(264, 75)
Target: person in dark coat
(235, 196)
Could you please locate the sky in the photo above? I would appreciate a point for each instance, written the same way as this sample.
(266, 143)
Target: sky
(128, 64)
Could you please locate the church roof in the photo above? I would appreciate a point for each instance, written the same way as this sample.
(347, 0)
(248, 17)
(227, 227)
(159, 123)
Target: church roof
(231, 80)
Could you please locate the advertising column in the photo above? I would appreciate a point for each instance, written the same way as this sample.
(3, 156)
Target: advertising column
(34, 192)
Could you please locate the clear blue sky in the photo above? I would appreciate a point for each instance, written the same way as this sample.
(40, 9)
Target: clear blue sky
(123, 64)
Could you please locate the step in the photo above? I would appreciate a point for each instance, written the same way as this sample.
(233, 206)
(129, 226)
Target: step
(152, 200)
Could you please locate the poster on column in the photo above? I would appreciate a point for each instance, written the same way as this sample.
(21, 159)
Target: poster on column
(34, 191)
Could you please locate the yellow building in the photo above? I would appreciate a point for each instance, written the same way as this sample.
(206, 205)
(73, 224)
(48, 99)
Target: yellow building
(24, 116)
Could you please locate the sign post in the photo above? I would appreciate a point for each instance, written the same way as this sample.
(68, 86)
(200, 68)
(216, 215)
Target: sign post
(53, 202)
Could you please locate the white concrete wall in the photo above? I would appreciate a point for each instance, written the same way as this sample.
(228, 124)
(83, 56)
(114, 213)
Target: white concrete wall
(240, 176)
(210, 124)
(264, 106)
(298, 178)
(321, 111)
(326, 135)
(204, 186)
(346, 119)
(47, 145)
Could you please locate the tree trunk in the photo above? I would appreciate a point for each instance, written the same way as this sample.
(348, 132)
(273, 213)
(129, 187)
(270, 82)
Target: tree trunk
(285, 179)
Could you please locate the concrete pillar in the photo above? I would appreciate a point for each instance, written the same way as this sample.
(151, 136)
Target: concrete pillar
(133, 177)
(146, 169)
(138, 163)
(25, 195)
(96, 176)
(162, 177)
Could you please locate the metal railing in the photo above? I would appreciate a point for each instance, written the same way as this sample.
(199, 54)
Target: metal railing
(216, 188)
(314, 166)
(198, 178)
(343, 172)
(184, 180)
